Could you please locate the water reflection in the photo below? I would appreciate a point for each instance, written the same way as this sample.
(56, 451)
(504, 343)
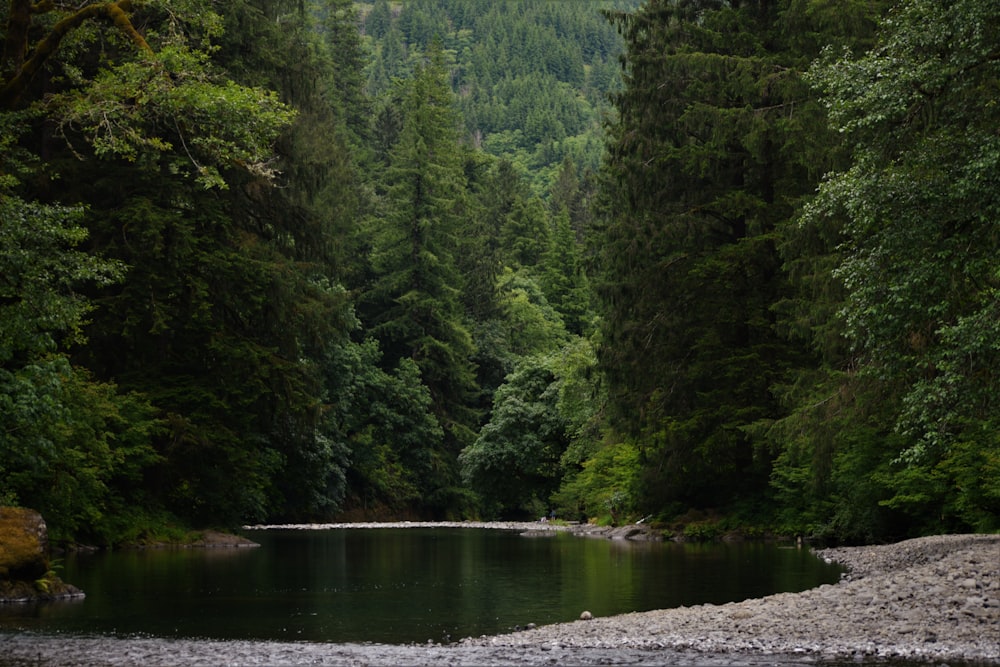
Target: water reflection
(406, 585)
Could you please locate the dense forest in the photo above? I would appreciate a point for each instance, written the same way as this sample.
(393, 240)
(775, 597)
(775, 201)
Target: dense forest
(721, 265)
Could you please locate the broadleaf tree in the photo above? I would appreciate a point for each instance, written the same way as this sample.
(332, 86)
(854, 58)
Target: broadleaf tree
(918, 209)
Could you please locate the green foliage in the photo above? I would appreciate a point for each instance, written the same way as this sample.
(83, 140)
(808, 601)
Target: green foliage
(532, 77)
(41, 272)
(607, 485)
(531, 325)
(180, 340)
(226, 306)
(542, 429)
(917, 205)
(74, 449)
(701, 169)
(206, 121)
(514, 463)
(386, 422)
(565, 283)
(414, 308)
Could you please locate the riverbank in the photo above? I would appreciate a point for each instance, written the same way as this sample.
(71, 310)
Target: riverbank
(927, 601)
(527, 528)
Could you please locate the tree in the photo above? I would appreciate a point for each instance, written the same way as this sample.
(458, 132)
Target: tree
(514, 463)
(384, 420)
(566, 285)
(414, 307)
(346, 64)
(379, 20)
(169, 132)
(71, 447)
(918, 209)
(717, 138)
(232, 304)
(183, 116)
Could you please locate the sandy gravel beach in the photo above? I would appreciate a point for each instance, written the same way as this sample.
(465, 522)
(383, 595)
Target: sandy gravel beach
(932, 600)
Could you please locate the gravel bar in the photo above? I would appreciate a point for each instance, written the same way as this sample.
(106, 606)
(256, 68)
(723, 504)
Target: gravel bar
(927, 601)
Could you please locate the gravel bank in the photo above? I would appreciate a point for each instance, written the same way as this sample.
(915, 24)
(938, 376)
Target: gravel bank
(925, 601)
(928, 600)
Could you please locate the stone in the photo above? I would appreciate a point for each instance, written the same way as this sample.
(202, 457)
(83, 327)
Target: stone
(25, 574)
(23, 544)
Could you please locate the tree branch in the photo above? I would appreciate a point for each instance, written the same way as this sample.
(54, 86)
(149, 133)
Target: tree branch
(15, 43)
(20, 17)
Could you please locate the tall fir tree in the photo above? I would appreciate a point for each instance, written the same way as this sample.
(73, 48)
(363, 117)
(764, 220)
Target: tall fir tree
(705, 162)
(414, 306)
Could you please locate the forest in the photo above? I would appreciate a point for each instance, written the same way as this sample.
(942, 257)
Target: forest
(717, 265)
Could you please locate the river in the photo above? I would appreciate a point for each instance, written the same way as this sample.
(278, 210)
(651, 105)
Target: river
(399, 586)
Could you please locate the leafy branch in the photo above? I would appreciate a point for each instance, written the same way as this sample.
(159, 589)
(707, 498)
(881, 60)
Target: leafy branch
(19, 69)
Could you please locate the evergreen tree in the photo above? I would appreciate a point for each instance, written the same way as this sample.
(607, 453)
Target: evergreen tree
(414, 307)
(346, 66)
(702, 168)
(379, 19)
(145, 104)
(565, 283)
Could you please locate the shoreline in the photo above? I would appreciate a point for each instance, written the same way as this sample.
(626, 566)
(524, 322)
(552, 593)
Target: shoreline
(637, 532)
(923, 601)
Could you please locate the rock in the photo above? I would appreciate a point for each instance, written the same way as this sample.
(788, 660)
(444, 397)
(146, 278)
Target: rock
(217, 539)
(25, 575)
(23, 544)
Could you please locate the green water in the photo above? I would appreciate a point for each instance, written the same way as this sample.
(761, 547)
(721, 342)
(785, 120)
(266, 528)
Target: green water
(402, 585)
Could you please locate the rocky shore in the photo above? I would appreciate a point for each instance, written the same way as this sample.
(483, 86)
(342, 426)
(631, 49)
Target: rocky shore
(527, 528)
(927, 601)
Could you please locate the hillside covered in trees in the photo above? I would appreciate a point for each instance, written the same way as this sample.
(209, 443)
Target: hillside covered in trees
(718, 264)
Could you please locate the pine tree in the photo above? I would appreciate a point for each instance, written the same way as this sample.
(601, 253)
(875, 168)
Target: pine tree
(379, 20)
(699, 178)
(565, 284)
(414, 307)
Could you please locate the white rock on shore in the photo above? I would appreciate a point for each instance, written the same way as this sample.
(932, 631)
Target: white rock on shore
(923, 601)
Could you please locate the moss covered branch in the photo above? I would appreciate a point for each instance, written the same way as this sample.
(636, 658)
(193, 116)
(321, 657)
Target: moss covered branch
(20, 66)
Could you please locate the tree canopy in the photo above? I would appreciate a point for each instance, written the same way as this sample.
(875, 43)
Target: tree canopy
(724, 264)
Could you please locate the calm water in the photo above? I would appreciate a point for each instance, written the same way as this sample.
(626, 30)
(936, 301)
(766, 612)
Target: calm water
(402, 585)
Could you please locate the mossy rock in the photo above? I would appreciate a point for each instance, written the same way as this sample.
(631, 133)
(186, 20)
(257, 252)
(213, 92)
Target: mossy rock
(23, 538)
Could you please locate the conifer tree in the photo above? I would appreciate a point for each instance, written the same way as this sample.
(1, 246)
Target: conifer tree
(565, 284)
(703, 167)
(414, 307)
(164, 132)
(379, 19)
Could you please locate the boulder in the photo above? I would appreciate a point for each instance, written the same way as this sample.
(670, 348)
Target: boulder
(25, 574)
(23, 544)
